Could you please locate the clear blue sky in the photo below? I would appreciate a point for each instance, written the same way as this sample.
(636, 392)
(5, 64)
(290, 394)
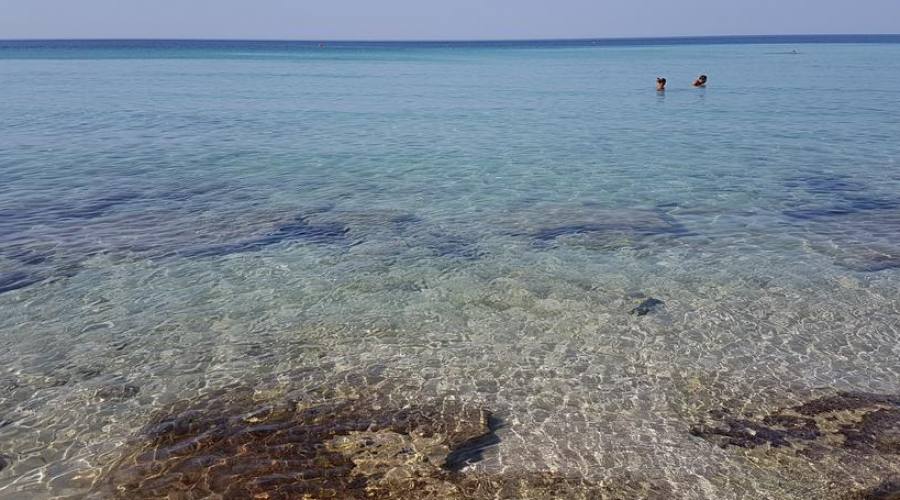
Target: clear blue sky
(438, 19)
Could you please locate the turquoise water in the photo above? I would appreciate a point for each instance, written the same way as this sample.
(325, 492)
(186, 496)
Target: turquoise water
(469, 222)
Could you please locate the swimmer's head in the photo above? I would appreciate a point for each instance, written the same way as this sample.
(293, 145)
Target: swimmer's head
(660, 84)
(703, 78)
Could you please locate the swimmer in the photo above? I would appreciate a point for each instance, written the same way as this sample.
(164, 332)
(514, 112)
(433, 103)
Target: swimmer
(700, 81)
(660, 84)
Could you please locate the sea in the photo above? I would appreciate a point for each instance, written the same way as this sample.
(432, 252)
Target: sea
(643, 289)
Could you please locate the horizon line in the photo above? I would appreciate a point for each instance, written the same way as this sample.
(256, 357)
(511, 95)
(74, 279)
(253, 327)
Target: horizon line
(445, 40)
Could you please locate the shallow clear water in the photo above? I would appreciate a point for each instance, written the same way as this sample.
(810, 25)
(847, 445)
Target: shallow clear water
(472, 222)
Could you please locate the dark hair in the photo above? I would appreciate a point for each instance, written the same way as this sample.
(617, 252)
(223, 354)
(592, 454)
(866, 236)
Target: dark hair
(660, 80)
(703, 77)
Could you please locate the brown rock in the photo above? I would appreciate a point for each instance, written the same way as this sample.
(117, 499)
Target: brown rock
(231, 446)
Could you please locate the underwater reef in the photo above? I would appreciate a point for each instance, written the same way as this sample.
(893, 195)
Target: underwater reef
(231, 444)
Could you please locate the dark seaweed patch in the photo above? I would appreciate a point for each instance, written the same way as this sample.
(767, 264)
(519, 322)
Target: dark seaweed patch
(647, 306)
(17, 280)
(877, 432)
(868, 258)
(844, 207)
(36, 272)
(56, 212)
(94, 208)
(405, 222)
(749, 434)
(452, 247)
(553, 233)
(302, 230)
(27, 257)
(852, 218)
(871, 264)
(819, 183)
(666, 226)
(865, 423)
(846, 401)
(298, 230)
(662, 211)
(842, 196)
(886, 490)
(816, 213)
(863, 203)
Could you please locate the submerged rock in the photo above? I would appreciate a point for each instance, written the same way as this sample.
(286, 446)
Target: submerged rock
(233, 446)
(846, 401)
(775, 431)
(647, 306)
(555, 486)
(877, 432)
(887, 490)
(119, 392)
(857, 422)
(830, 446)
(4, 462)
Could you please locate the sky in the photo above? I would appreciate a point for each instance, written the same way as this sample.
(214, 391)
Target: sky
(438, 19)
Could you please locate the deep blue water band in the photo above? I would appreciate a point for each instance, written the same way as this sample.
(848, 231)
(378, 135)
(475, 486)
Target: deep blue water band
(269, 45)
